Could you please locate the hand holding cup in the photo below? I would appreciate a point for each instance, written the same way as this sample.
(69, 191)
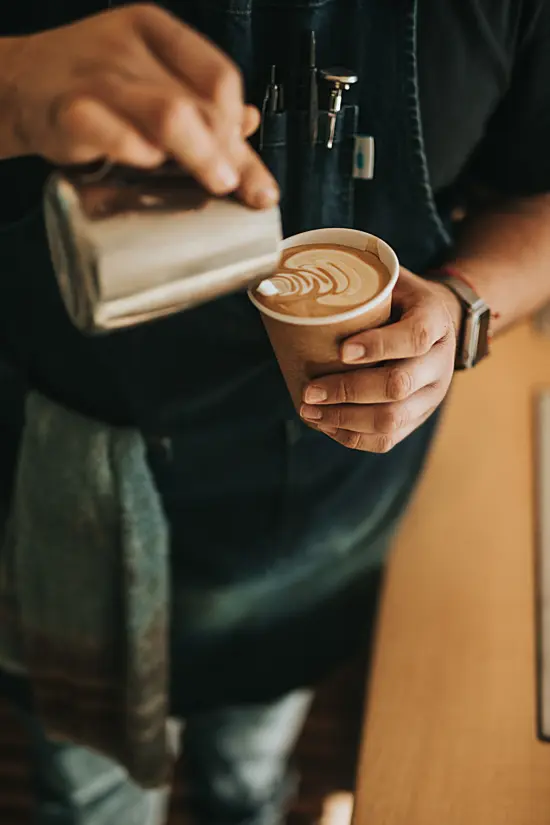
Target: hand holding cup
(331, 284)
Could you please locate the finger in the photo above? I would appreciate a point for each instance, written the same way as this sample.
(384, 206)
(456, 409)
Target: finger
(159, 105)
(251, 121)
(392, 382)
(235, 142)
(198, 64)
(170, 117)
(258, 187)
(378, 442)
(384, 419)
(193, 58)
(413, 335)
(89, 131)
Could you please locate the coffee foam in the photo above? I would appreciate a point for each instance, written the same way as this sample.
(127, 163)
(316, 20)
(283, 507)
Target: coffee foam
(322, 280)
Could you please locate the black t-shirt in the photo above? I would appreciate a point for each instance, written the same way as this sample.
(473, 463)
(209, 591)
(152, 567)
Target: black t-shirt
(484, 81)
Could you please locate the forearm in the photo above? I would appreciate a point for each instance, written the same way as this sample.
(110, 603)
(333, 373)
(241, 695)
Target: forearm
(504, 251)
(10, 144)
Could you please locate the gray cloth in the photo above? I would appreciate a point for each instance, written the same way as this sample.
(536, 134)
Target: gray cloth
(84, 588)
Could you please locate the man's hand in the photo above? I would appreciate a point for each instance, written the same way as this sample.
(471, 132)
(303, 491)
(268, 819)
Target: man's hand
(404, 372)
(135, 86)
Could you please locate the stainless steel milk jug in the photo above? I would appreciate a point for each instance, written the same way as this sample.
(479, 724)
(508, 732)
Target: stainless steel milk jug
(129, 246)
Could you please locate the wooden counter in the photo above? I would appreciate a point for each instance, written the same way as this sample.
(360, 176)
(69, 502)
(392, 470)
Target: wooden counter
(450, 734)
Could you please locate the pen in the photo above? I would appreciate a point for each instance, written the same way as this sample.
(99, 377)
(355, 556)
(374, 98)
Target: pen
(313, 98)
(273, 101)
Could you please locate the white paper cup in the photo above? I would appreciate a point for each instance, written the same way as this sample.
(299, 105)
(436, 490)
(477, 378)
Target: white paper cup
(309, 347)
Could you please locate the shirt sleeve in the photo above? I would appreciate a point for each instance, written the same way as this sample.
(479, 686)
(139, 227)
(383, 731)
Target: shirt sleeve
(514, 156)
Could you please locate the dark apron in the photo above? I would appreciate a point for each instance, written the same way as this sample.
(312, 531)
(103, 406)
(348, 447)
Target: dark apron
(277, 551)
(277, 531)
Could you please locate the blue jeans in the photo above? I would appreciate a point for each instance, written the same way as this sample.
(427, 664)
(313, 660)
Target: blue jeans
(237, 760)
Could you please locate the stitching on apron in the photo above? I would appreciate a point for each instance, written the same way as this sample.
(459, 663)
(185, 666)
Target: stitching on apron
(418, 135)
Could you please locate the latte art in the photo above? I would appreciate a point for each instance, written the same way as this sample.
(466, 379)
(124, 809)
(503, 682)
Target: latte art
(324, 279)
(334, 275)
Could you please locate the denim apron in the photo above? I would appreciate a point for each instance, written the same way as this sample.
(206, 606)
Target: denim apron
(276, 529)
(278, 533)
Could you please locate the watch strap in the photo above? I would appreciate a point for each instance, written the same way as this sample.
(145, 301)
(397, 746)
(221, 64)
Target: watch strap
(453, 285)
(473, 338)
(459, 287)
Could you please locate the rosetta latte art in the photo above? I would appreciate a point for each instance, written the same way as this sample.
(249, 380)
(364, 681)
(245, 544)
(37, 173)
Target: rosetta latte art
(323, 280)
(334, 276)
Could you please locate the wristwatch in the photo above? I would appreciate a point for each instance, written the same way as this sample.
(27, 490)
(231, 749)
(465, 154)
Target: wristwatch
(473, 337)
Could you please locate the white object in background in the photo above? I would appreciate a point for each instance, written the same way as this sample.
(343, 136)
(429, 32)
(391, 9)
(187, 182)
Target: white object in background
(337, 809)
(543, 561)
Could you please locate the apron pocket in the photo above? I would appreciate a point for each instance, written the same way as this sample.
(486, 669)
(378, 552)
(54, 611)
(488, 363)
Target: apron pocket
(273, 149)
(320, 180)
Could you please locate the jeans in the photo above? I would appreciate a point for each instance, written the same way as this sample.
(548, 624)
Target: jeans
(236, 758)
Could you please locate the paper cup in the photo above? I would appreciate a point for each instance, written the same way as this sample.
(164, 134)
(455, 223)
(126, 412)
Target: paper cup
(307, 348)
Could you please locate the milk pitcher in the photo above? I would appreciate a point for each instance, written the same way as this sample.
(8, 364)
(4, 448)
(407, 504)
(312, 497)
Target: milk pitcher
(129, 246)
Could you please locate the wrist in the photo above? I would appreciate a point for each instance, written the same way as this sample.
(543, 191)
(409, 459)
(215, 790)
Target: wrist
(472, 323)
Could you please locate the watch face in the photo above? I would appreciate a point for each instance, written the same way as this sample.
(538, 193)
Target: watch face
(475, 338)
(483, 338)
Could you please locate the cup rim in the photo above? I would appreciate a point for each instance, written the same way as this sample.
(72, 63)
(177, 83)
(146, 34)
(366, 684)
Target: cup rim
(358, 235)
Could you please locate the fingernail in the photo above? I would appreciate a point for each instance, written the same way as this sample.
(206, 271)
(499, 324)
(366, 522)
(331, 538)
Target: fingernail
(328, 430)
(265, 197)
(314, 395)
(226, 175)
(149, 155)
(311, 413)
(353, 352)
